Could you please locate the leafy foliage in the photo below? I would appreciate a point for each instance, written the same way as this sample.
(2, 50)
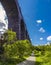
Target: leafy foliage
(15, 49)
(19, 48)
(10, 36)
(44, 54)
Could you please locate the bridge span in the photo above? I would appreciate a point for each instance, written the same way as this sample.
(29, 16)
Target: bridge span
(15, 18)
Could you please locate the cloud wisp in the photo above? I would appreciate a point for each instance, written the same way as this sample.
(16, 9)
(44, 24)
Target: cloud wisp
(39, 21)
(41, 38)
(42, 30)
(49, 38)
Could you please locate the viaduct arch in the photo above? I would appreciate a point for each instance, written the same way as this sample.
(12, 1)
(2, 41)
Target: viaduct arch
(15, 18)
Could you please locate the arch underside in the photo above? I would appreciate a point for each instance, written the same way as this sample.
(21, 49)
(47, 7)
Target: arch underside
(15, 19)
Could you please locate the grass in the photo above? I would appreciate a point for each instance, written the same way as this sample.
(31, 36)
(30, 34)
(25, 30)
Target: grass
(43, 59)
(13, 61)
(38, 60)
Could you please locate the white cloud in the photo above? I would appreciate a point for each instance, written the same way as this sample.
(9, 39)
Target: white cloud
(49, 38)
(39, 21)
(31, 39)
(2, 12)
(48, 43)
(3, 23)
(41, 38)
(42, 30)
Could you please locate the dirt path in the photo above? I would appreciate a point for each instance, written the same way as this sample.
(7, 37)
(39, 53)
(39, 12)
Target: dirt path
(29, 61)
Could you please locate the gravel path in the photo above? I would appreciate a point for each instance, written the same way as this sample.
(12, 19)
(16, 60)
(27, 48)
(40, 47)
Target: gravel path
(29, 61)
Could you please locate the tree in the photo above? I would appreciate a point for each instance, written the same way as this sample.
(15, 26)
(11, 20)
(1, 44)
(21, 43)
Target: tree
(10, 36)
(21, 48)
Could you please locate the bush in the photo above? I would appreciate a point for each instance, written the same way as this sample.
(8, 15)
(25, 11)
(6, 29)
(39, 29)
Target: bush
(19, 49)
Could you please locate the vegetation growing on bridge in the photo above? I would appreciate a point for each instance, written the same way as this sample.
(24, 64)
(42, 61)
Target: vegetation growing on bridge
(14, 51)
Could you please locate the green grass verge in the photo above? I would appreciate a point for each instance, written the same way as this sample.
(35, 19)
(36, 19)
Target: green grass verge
(13, 61)
(43, 59)
(38, 61)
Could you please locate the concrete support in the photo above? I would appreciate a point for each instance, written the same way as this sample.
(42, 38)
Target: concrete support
(15, 18)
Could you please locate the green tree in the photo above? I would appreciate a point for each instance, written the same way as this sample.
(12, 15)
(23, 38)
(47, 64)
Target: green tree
(10, 36)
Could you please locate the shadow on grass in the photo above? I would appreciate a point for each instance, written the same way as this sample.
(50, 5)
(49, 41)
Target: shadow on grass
(27, 62)
(37, 55)
(14, 61)
(30, 62)
(11, 61)
(38, 63)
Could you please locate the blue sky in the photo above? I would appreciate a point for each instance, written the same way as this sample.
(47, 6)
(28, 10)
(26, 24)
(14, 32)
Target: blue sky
(37, 16)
